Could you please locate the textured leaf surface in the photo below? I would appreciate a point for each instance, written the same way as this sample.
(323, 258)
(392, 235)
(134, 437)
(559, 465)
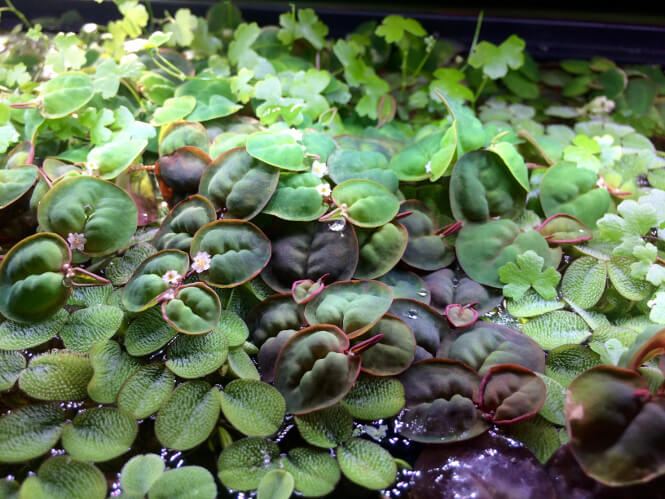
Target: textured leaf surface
(366, 463)
(145, 392)
(63, 477)
(245, 462)
(253, 407)
(30, 432)
(59, 375)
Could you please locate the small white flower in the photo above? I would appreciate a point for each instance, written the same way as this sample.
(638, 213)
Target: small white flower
(428, 167)
(600, 105)
(92, 167)
(319, 168)
(171, 277)
(89, 28)
(323, 189)
(168, 295)
(430, 41)
(201, 262)
(76, 241)
(296, 134)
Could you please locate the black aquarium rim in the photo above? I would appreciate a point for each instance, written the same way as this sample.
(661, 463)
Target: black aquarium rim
(550, 35)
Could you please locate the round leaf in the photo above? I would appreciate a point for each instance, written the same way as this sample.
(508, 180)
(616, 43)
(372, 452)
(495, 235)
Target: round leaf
(187, 482)
(99, 434)
(326, 428)
(380, 249)
(58, 375)
(65, 93)
(245, 462)
(90, 326)
(314, 471)
(30, 432)
(195, 309)
(17, 336)
(584, 281)
(296, 198)
(277, 149)
(179, 173)
(425, 249)
(253, 407)
(394, 353)
(147, 333)
(555, 329)
(277, 484)
(368, 204)
(366, 463)
(63, 477)
(111, 368)
(179, 227)
(196, 356)
(11, 365)
(145, 392)
(374, 397)
(345, 164)
(140, 473)
(114, 158)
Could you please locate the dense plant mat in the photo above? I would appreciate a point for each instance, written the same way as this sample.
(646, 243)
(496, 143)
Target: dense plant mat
(254, 259)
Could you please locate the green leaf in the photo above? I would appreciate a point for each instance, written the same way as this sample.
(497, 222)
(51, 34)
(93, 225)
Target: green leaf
(139, 473)
(90, 326)
(241, 364)
(532, 304)
(393, 28)
(326, 428)
(278, 149)
(58, 375)
(99, 434)
(147, 333)
(183, 483)
(120, 269)
(87, 296)
(188, 416)
(174, 109)
(253, 407)
(555, 329)
(296, 198)
(194, 356)
(566, 362)
(494, 60)
(552, 410)
(541, 437)
(368, 204)
(63, 477)
(234, 328)
(307, 26)
(315, 471)
(374, 397)
(111, 368)
(30, 432)
(194, 309)
(584, 281)
(243, 464)
(145, 392)
(528, 273)
(17, 336)
(366, 463)
(277, 484)
(112, 159)
(65, 94)
(11, 365)
(182, 27)
(619, 272)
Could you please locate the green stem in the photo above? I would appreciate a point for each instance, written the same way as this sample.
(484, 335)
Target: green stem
(129, 87)
(166, 66)
(151, 15)
(474, 42)
(419, 68)
(405, 56)
(17, 13)
(479, 91)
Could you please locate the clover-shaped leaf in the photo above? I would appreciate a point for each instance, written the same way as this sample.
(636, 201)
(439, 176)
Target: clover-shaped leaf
(518, 278)
(393, 28)
(495, 60)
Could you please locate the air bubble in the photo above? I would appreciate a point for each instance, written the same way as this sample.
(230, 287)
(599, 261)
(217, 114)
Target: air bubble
(412, 314)
(337, 225)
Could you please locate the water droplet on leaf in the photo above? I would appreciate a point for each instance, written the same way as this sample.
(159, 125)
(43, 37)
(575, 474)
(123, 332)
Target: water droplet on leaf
(337, 225)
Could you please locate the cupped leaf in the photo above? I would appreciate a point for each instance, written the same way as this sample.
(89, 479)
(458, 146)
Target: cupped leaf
(194, 356)
(366, 203)
(90, 326)
(194, 309)
(380, 249)
(99, 434)
(63, 477)
(145, 392)
(15, 183)
(346, 164)
(57, 375)
(310, 251)
(148, 332)
(314, 370)
(245, 462)
(406, 284)
(112, 159)
(188, 415)
(513, 161)
(394, 353)
(315, 471)
(179, 173)
(193, 482)
(566, 188)
(326, 428)
(428, 326)
(17, 336)
(584, 281)
(296, 198)
(11, 365)
(92, 207)
(414, 162)
(140, 473)
(173, 109)
(425, 250)
(238, 251)
(180, 134)
(481, 188)
(65, 93)
(274, 314)
(239, 184)
(562, 228)
(557, 328)
(269, 352)
(366, 463)
(353, 306)
(482, 249)
(30, 432)
(278, 149)
(374, 397)
(615, 430)
(440, 408)
(511, 393)
(306, 289)
(31, 278)
(179, 227)
(253, 407)
(111, 368)
(148, 281)
(488, 344)
(447, 288)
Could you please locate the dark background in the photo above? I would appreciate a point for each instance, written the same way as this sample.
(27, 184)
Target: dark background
(627, 33)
